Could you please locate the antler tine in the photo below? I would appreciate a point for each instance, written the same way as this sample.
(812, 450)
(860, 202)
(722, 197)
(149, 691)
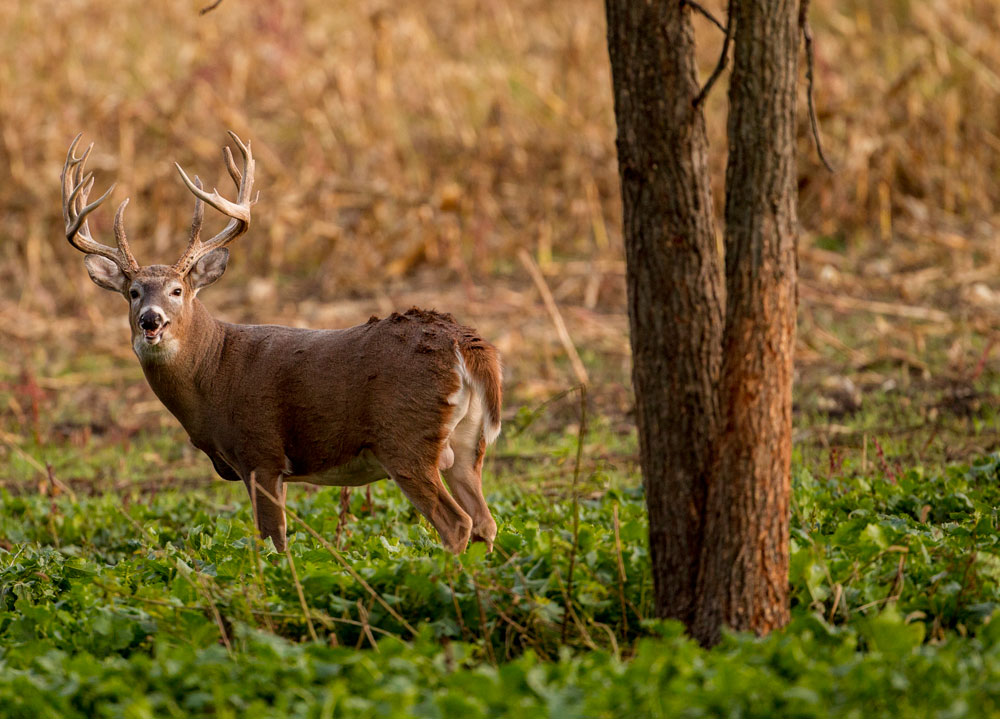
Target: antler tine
(238, 212)
(120, 237)
(76, 187)
(234, 171)
(196, 221)
(199, 214)
(214, 199)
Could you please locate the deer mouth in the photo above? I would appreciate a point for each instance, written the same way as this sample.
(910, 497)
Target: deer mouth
(153, 337)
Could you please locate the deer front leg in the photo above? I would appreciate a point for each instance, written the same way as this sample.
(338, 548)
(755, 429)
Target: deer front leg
(268, 515)
(465, 478)
(423, 487)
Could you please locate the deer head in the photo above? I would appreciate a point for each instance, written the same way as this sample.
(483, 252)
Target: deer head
(162, 298)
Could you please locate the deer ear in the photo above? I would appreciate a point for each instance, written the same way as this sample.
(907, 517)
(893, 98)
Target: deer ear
(209, 268)
(105, 273)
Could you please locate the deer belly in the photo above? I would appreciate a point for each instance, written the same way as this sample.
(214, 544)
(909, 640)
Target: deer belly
(363, 469)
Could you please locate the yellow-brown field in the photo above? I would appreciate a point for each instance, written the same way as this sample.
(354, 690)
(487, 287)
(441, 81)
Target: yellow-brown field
(408, 151)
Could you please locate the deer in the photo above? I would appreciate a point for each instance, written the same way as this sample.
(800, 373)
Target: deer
(409, 397)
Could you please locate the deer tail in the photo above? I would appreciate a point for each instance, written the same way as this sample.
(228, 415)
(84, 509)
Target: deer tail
(482, 365)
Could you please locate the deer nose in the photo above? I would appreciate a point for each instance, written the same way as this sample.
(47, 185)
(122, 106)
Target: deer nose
(151, 319)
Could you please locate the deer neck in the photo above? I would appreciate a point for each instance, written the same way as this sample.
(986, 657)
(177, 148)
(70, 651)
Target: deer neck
(184, 380)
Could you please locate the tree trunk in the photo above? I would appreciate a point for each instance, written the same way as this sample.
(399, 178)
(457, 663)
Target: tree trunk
(674, 278)
(713, 391)
(744, 578)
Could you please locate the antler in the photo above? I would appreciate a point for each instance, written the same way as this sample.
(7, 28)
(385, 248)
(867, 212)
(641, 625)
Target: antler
(238, 211)
(75, 188)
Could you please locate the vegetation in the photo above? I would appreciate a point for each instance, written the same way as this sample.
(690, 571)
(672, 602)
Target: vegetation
(152, 604)
(407, 151)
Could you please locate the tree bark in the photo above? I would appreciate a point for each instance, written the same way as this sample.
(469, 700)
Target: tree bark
(744, 577)
(713, 389)
(674, 279)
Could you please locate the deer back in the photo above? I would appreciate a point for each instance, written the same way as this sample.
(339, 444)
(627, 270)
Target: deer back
(317, 398)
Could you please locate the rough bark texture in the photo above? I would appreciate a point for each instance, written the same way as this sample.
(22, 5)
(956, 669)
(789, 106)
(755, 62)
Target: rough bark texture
(713, 389)
(744, 577)
(674, 277)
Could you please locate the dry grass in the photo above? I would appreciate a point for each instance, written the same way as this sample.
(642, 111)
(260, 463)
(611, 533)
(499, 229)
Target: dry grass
(407, 151)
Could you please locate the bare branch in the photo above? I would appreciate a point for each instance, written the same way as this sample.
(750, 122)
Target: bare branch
(813, 121)
(723, 56)
(209, 8)
(704, 11)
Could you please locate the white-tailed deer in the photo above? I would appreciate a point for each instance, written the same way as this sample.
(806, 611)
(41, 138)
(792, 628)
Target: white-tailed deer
(403, 397)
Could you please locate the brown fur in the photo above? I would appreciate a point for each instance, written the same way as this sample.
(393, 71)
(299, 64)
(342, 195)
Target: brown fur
(292, 403)
(399, 397)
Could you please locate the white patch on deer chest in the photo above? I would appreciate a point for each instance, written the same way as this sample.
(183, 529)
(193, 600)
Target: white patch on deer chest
(162, 352)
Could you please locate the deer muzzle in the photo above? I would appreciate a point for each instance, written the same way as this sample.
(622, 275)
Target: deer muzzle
(152, 322)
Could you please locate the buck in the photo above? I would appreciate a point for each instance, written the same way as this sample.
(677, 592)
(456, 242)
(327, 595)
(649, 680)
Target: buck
(407, 397)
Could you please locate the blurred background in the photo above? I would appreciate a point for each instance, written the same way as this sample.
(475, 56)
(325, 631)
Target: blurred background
(407, 152)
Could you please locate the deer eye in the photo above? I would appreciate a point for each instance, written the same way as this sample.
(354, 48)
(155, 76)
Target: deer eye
(176, 292)
(134, 294)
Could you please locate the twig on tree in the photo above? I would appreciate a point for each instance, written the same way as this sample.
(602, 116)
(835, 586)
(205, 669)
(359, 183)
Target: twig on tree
(808, 38)
(210, 8)
(698, 7)
(723, 56)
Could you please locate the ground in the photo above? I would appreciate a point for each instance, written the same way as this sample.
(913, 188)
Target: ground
(407, 154)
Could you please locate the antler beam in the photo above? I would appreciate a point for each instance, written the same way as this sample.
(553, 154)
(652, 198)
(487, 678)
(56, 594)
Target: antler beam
(76, 187)
(238, 212)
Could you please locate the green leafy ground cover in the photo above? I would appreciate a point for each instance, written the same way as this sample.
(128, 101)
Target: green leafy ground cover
(141, 603)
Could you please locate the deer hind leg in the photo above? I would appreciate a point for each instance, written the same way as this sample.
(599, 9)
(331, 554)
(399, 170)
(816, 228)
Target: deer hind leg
(269, 516)
(422, 485)
(465, 475)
